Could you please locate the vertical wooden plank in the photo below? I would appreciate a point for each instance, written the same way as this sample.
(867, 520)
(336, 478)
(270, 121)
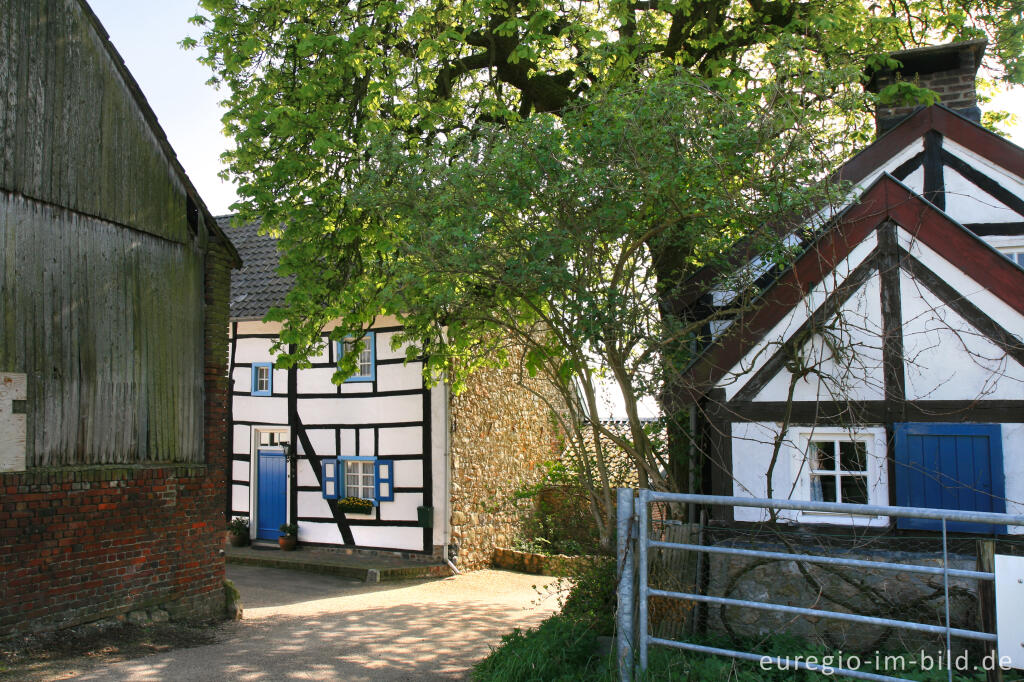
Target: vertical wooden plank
(987, 604)
(968, 495)
(7, 322)
(10, 45)
(945, 473)
(24, 13)
(982, 481)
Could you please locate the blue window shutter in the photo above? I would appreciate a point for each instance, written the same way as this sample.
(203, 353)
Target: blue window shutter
(384, 480)
(330, 479)
(950, 466)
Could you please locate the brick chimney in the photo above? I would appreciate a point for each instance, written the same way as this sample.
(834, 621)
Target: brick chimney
(948, 70)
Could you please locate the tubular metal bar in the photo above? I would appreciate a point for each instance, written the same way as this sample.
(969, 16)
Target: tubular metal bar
(643, 536)
(774, 660)
(819, 613)
(840, 508)
(835, 561)
(626, 541)
(945, 590)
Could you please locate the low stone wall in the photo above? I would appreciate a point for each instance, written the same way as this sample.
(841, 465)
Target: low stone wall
(871, 592)
(538, 564)
(501, 432)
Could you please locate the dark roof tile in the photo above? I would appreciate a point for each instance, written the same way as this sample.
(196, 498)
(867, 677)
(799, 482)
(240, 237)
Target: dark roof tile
(256, 287)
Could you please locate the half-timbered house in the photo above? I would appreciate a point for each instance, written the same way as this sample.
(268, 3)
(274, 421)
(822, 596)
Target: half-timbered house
(886, 365)
(113, 311)
(439, 471)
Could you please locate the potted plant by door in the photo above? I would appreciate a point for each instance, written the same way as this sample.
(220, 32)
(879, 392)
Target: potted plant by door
(238, 532)
(289, 536)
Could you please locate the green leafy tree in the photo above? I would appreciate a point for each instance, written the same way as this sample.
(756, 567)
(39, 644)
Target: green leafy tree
(538, 238)
(471, 166)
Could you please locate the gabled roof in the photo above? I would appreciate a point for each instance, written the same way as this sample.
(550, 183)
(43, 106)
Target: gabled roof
(158, 132)
(950, 125)
(871, 159)
(255, 287)
(886, 200)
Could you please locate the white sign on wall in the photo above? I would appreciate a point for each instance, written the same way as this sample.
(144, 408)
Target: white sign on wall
(13, 396)
(1009, 616)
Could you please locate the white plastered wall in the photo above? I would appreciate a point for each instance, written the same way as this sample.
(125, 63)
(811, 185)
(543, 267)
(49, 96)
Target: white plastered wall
(949, 359)
(857, 330)
(966, 202)
(329, 409)
(1013, 470)
(739, 374)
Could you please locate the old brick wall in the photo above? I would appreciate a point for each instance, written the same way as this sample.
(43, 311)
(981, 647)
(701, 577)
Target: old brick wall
(79, 544)
(948, 70)
(501, 432)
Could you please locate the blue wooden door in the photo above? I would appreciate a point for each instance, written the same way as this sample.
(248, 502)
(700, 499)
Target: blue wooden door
(272, 488)
(950, 466)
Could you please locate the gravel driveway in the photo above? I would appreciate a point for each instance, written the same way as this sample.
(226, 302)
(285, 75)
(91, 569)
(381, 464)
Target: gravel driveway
(312, 627)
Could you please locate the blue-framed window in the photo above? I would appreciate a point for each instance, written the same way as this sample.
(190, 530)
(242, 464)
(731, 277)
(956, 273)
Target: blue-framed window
(367, 478)
(357, 477)
(950, 466)
(262, 378)
(366, 367)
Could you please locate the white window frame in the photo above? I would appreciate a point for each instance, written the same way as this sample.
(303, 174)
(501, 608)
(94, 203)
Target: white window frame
(366, 367)
(874, 439)
(369, 462)
(1011, 246)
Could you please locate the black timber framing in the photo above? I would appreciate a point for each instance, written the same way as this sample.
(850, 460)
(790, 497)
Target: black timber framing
(902, 171)
(816, 320)
(984, 182)
(934, 184)
(1007, 342)
(717, 436)
(292, 449)
(893, 371)
(809, 413)
(1011, 229)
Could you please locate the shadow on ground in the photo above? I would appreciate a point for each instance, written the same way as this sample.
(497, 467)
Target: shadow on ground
(350, 631)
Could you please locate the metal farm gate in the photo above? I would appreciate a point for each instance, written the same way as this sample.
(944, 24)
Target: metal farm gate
(634, 636)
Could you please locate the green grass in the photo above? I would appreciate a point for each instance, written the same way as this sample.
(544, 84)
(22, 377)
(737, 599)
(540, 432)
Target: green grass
(564, 648)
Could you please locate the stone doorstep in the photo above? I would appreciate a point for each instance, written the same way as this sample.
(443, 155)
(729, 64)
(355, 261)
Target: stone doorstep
(367, 569)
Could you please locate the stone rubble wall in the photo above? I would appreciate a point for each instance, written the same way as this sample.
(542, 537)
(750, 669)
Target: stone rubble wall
(883, 593)
(501, 432)
(540, 564)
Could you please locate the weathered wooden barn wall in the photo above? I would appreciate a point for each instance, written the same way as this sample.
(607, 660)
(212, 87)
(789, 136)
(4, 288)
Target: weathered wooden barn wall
(102, 251)
(71, 132)
(107, 324)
